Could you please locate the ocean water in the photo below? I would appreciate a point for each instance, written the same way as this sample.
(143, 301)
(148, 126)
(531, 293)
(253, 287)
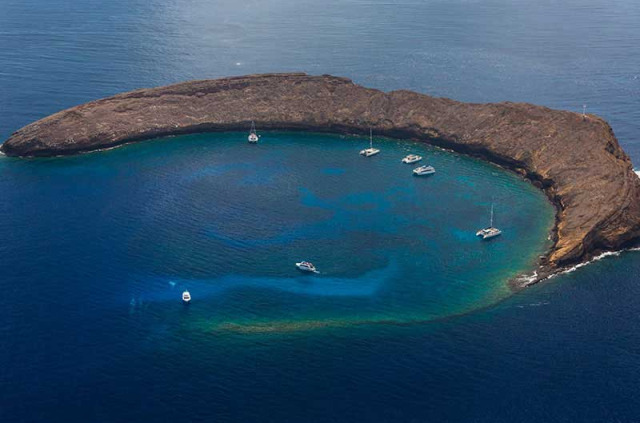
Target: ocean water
(410, 319)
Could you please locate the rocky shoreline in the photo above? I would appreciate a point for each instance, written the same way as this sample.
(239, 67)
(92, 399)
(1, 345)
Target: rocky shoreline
(575, 159)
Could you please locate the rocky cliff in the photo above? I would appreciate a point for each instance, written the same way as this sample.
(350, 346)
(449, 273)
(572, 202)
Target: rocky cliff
(576, 160)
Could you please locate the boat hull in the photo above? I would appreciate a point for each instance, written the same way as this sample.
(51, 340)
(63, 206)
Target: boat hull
(411, 161)
(488, 235)
(424, 173)
(306, 269)
(369, 152)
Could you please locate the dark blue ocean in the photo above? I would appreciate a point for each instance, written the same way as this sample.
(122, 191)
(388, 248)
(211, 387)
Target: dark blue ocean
(410, 319)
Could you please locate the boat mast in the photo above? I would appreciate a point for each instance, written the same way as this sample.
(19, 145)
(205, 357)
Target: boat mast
(370, 138)
(253, 127)
(491, 224)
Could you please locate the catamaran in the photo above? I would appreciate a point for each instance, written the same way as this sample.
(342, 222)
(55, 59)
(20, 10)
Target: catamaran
(368, 152)
(424, 171)
(491, 231)
(253, 136)
(411, 158)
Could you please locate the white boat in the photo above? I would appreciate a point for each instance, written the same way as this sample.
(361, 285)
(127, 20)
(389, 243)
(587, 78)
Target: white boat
(491, 231)
(253, 135)
(368, 152)
(186, 297)
(411, 158)
(424, 171)
(306, 266)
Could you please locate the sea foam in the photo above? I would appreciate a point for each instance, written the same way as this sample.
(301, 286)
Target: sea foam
(593, 260)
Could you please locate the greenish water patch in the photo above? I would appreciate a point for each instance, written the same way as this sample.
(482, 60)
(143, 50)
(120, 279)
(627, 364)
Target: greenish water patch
(228, 220)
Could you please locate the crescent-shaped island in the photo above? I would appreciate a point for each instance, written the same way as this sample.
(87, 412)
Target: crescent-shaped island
(574, 158)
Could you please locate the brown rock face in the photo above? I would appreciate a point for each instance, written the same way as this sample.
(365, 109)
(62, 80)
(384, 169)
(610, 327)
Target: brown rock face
(577, 161)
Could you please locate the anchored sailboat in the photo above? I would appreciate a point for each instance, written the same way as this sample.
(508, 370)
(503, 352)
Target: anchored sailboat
(491, 231)
(368, 152)
(253, 135)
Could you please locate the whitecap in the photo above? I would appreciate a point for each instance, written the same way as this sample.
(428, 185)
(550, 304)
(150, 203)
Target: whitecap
(593, 260)
(527, 279)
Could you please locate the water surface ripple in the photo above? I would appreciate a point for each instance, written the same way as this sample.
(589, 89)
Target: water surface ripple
(89, 326)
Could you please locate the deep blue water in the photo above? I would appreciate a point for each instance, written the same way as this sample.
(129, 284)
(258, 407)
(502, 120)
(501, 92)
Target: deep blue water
(96, 248)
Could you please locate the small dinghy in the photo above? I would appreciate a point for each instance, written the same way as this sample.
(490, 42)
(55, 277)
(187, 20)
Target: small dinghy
(306, 266)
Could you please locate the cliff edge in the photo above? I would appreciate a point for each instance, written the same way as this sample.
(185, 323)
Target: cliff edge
(576, 160)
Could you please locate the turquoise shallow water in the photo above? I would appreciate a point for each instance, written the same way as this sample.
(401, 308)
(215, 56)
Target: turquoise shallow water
(228, 220)
(90, 329)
